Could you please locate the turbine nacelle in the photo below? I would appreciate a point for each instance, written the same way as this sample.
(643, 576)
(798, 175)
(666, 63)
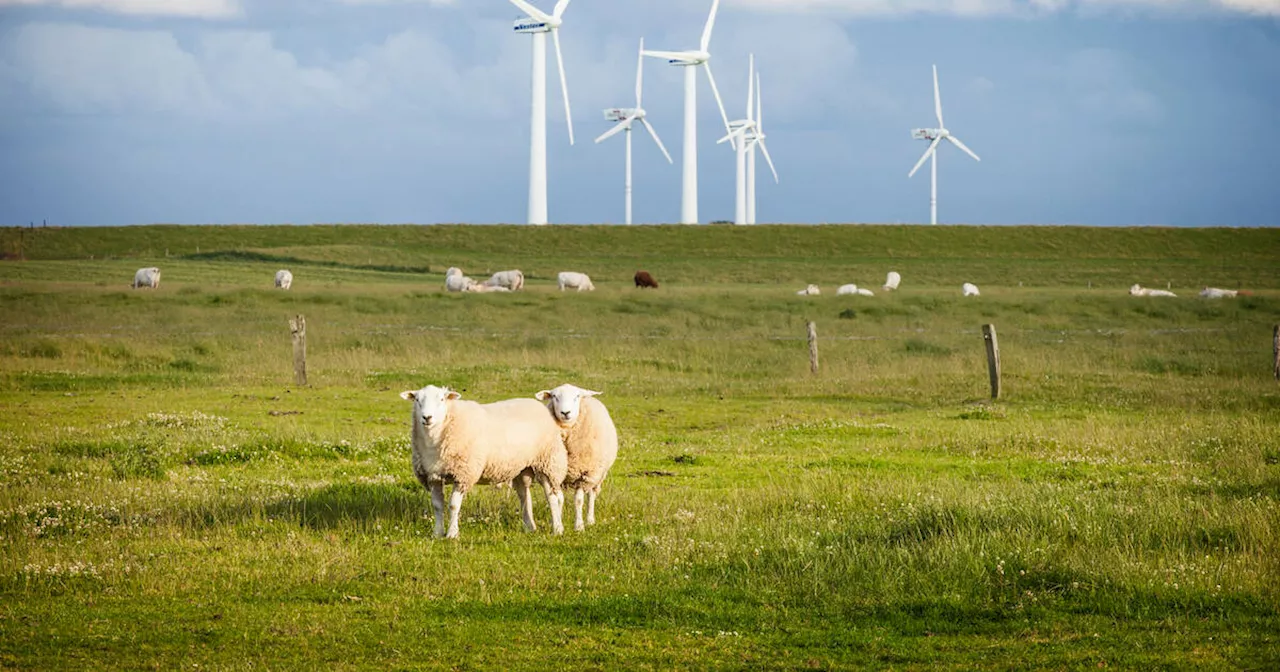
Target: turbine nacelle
(623, 113)
(929, 134)
(528, 26)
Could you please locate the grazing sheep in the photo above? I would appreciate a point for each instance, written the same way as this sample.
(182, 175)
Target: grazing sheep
(1215, 293)
(284, 279)
(970, 289)
(510, 280)
(466, 443)
(455, 281)
(1139, 290)
(644, 280)
(811, 290)
(572, 280)
(146, 278)
(891, 282)
(591, 439)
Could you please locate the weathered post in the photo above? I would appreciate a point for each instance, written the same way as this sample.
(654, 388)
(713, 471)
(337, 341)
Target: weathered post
(993, 358)
(298, 327)
(813, 347)
(1275, 349)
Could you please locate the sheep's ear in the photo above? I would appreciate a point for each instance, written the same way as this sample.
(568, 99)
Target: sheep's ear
(451, 395)
(591, 393)
(409, 396)
(543, 395)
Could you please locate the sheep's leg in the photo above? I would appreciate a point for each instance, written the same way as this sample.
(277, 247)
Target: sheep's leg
(591, 504)
(555, 501)
(578, 493)
(522, 484)
(455, 505)
(437, 504)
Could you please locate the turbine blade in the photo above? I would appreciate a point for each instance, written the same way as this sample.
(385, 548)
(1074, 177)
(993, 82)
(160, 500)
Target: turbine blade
(560, 7)
(640, 77)
(711, 24)
(564, 83)
(937, 98)
(617, 128)
(654, 135)
(759, 106)
(735, 134)
(532, 11)
(669, 55)
(956, 141)
(711, 78)
(768, 160)
(927, 153)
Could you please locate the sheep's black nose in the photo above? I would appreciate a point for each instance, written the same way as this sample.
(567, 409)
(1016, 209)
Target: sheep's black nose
(565, 414)
(426, 419)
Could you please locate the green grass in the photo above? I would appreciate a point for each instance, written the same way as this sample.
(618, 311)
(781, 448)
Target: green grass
(169, 498)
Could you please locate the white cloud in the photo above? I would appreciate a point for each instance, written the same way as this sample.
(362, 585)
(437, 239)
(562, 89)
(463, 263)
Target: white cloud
(980, 8)
(200, 9)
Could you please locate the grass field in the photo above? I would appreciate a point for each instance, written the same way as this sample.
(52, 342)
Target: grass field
(169, 499)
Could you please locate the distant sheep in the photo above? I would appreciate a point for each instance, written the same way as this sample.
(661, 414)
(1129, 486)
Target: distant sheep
(970, 289)
(468, 444)
(572, 280)
(644, 280)
(892, 281)
(455, 281)
(847, 290)
(511, 280)
(591, 440)
(1215, 293)
(811, 290)
(148, 278)
(478, 288)
(1139, 290)
(284, 280)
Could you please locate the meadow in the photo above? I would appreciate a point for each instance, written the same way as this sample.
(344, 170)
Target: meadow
(170, 499)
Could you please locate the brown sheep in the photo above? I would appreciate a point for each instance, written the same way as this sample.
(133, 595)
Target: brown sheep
(643, 279)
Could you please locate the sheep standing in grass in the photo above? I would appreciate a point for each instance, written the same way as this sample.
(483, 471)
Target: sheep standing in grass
(466, 444)
(591, 439)
(572, 280)
(1139, 290)
(455, 281)
(146, 277)
(284, 280)
(970, 289)
(892, 281)
(510, 280)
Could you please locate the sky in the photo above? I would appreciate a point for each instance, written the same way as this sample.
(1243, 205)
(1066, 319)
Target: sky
(1084, 112)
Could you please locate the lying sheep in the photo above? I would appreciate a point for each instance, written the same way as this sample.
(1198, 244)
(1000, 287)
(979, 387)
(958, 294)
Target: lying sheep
(510, 280)
(811, 290)
(455, 281)
(477, 288)
(284, 280)
(466, 443)
(891, 281)
(1139, 290)
(970, 289)
(146, 277)
(591, 440)
(1215, 293)
(572, 280)
(847, 290)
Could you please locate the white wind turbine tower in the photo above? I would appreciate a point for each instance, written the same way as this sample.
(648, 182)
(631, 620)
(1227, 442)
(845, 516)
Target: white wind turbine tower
(936, 136)
(538, 24)
(690, 60)
(628, 117)
(747, 135)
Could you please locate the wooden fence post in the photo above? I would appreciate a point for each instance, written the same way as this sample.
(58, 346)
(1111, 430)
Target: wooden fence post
(1275, 349)
(298, 328)
(813, 347)
(993, 358)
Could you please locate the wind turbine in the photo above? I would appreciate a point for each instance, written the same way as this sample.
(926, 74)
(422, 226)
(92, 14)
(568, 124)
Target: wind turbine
(627, 118)
(936, 136)
(690, 60)
(747, 134)
(538, 24)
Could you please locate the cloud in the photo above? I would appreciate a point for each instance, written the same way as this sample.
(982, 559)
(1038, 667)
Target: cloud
(198, 9)
(984, 8)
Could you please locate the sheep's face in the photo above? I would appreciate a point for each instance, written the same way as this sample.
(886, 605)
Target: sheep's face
(430, 405)
(565, 402)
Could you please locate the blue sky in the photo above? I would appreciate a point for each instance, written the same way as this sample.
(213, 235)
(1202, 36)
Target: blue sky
(1097, 112)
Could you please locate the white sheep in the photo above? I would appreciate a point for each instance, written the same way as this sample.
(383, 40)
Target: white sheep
(512, 280)
(591, 439)
(572, 280)
(284, 280)
(466, 443)
(455, 281)
(970, 289)
(892, 281)
(1139, 290)
(1215, 293)
(811, 290)
(847, 290)
(146, 278)
(478, 288)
